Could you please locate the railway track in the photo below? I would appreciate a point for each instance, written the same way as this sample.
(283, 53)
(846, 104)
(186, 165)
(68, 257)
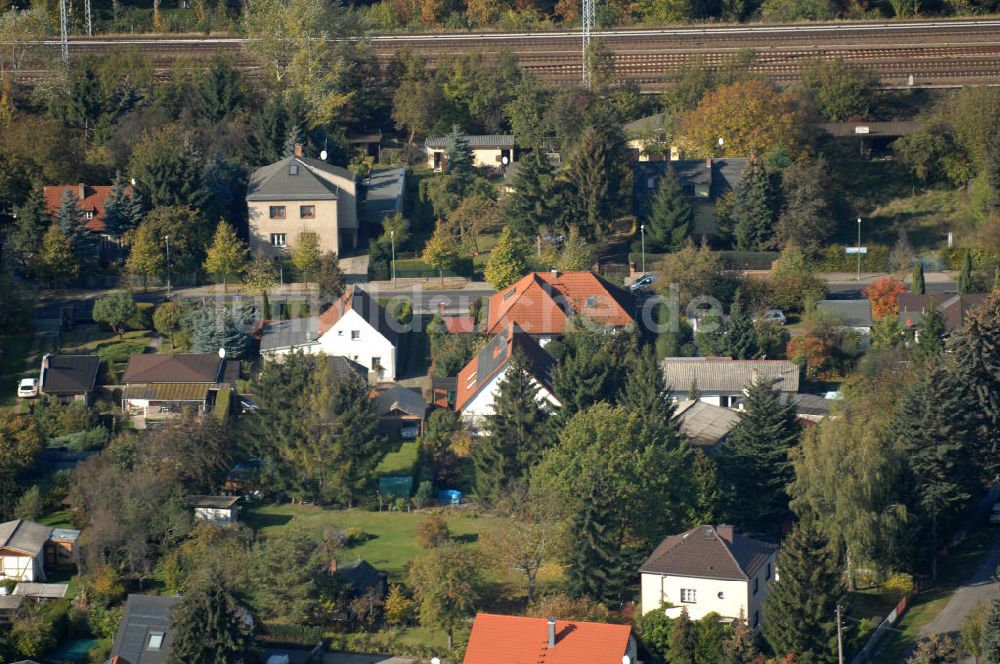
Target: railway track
(934, 53)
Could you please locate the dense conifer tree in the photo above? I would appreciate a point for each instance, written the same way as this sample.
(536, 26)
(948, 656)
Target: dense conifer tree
(211, 626)
(965, 273)
(458, 154)
(529, 206)
(683, 640)
(918, 285)
(592, 567)
(930, 333)
(752, 208)
(740, 337)
(670, 215)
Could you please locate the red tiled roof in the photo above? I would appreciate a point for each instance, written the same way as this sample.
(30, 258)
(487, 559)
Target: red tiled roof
(92, 202)
(542, 302)
(359, 300)
(459, 324)
(488, 362)
(518, 640)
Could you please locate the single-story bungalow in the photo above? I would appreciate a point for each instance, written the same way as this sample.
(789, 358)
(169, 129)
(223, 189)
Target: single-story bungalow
(401, 412)
(220, 510)
(69, 377)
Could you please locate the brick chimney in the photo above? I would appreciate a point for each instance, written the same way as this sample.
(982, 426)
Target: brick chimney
(725, 532)
(81, 190)
(298, 149)
(332, 567)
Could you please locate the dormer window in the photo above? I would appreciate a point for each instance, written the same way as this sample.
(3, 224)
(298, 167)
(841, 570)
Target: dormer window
(591, 302)
(293, 169)
(88, 214)
(155, 641)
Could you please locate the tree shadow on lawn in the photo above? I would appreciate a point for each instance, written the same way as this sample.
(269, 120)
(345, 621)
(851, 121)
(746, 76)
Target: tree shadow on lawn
(259, 521)
(467, 538)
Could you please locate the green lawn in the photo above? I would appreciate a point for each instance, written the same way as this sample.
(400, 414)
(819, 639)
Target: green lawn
(12, 368)
(952, 570)
(393, 541)
(59, 519)
(402, 462)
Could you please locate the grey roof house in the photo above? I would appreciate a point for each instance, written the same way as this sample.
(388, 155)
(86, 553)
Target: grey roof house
(704, 181)
(953, 308)
(489, 150)
(145, 633)
(401, 412)
(69, 377)
(852, 314)
(721, 381)
(703, 424)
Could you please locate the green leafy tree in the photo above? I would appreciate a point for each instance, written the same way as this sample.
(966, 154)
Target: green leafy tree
(441, 251)
(518, 432)
(306, 254)
(446, 585)
(167, 167)
(24, 240)
(20, 443)
(755, 462)
(596, 173)
(887, 333)
(189, 236)
(965, 273)
(211, 626)
(752, 209)
(577, 254)
(227, 255)
(146, 257)
(740, 337)
(683, 640)
(507, 262)
(329, 277)
(838, 89)
(168, 318)
(670, 215)
(59, 262)
(528, 208)
(416, 106)
(115, 311)
(800, 607)
(918, 286)
(936, 649)
(261, 275)
(972, 629)
(806, 218)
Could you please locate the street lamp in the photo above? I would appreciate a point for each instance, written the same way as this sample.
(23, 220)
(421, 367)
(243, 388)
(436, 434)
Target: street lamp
(642, 233)
(166, 238)
(859, 248)
(392, 237)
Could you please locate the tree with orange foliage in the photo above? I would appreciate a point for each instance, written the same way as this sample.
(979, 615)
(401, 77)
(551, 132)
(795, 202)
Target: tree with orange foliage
(884, 295)
(747, 115)
(810, 351)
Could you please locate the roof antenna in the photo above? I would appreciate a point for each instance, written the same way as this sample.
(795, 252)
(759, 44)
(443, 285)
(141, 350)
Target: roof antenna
(323, 154)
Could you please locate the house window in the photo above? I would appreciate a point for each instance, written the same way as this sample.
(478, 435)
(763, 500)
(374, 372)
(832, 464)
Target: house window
(277, 239)
(277, 212)
(355, 335)
(689, 596)
(307, 211)
(376, 363)
(88, 214)
(155, 641)
(756, 585)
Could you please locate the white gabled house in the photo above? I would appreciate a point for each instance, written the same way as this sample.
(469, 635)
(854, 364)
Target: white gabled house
(478, 383)
(355, 327)
(710, 569)
(723, 381)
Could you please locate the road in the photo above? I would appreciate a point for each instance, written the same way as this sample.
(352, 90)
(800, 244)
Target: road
(937, 53)
(979, 587)
(845, 285)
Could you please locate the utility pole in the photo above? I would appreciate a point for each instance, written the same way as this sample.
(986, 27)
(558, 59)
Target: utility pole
(90, 25)
(859, 248)
(64, 31)
(642, 231)
(392, 236)
(588, 24)
(166, 238)
(840, 639)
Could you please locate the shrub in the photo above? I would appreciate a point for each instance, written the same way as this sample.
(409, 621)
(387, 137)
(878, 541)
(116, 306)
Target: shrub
(424, 494)
(143, 318)
(57, 419)
(355, 536)
(82, 441)
(433, 532)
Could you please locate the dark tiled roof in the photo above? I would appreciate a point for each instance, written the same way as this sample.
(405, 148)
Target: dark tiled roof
(24, 536)
(213, 502)
(702, 553)
(360, 574)
(285, 334)
(851, 313)
(144, 615)
(953, 308)
(342, 367)
(704, 424)
(494, 141)
(69, 374)
(276, 182)
(808, 404)
(692, 173)
(384, 193)
(367, 307)
(652, 124)
(179, 368)
(402, 399)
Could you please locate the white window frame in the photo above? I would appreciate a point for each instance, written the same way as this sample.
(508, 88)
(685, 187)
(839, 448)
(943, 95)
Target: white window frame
(158, 645)
(279, 240)
(355, 335)
(689, 596)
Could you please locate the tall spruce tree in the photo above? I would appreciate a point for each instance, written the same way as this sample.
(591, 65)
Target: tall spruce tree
(118, 216)
(918, 287)
(517, 431)
(213, 328)
(977, 348)
(800, 610)
(753, 213)
(683, 640)
(598, 167)
(740, 647)
(458, 154)
(670, 215)
(740, 336)
(929, 341)
(587, 374)
(25, 240)
(938, 430)
(965, 273)
(528, 207)
(990, 644)
(755, 466)
(72, 222)
(646, 394)
(592, 568)
(211, 626)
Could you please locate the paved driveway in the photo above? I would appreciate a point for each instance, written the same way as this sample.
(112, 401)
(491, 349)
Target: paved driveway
(979, 587)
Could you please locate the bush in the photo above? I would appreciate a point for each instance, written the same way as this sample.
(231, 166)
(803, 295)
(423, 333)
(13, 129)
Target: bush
(424, 494)
(143, 318)
(833, 259)
(433, 532)
(82, 441)
(58, 419)
(292, 635)
(355, 536)
(898, 586)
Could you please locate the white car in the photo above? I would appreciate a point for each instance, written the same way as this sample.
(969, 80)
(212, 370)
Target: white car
(27, 388)
(409, 430)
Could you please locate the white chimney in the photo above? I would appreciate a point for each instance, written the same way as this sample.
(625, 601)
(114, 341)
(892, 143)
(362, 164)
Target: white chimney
(552, 632)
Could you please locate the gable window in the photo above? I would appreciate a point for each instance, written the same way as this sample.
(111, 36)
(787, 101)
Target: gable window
(756, 585)
(769, 570)
(376, 363)
(293, 169)
(155, 641)
(277, 239)
(307, 211)
(355, 335)
(689, 596)
(88, 214)
(277, 212)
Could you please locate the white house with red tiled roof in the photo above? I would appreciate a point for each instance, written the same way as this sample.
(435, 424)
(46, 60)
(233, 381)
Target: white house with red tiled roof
(479, 381)
(710, 569)
(542, 303)
(499, 639)
(355, 327)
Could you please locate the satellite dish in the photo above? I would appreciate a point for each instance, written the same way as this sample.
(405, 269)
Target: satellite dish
(504, 160)
(322, 155)
(222, 353)
(626, 659)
